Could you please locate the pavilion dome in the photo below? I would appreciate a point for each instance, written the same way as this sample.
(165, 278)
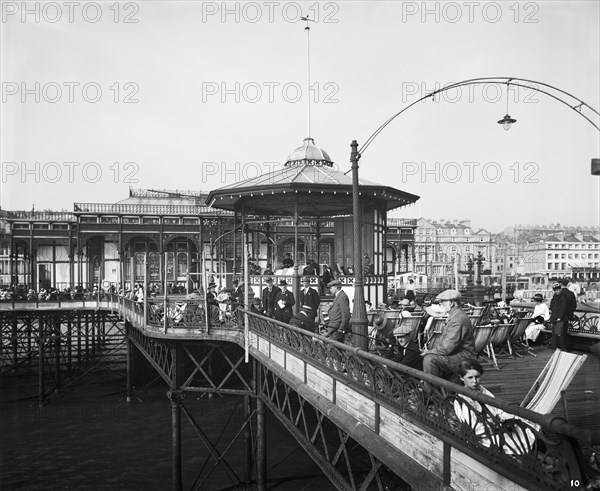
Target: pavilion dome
(309, 154)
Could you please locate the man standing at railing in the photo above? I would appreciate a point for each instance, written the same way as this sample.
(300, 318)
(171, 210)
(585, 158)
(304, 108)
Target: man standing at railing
(339, 313)
(310, 297)
(269, 298)
(456, 342)
(285, 302)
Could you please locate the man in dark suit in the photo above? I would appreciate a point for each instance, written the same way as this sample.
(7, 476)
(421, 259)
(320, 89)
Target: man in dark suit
(310, 297)
(325, 279)
(407, 350)
(269, 298)
(284, 303)
(211, 296)
(302, 319)
(339, 313)
(563, 306)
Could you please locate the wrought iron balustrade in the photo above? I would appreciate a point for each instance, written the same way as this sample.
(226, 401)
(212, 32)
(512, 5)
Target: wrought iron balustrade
(541, 448)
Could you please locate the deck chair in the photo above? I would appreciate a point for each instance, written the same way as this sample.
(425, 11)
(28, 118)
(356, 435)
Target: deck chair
(384, 323)
(553, 381)
(409, 324)
(516, 336)
(433, 331)
(482, 335)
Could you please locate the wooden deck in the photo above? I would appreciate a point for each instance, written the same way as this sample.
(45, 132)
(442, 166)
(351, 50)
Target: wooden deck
(516, 376)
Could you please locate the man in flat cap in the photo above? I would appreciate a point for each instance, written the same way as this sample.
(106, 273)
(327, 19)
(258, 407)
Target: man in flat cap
(455, 343)
(302, 319)
(339, 313)
(310, 297)
(407, 349)
(269, 298)
(284, 302)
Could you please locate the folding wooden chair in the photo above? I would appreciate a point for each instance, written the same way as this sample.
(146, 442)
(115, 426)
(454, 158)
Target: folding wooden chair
(433, 331)
(553, 381)
(482, 335)
(516, 336)
(500, 336)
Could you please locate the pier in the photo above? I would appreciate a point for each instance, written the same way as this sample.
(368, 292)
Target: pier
(359, 416)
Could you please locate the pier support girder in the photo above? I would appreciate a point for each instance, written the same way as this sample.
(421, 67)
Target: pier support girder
(196, 366)
(54, 343)
(346, 463)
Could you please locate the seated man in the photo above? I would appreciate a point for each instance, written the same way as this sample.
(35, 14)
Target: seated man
(456, 343)
(407, 351)
(303, 319)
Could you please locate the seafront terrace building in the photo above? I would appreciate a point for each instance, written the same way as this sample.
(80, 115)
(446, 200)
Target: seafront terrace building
(445, 245)
(565, 255)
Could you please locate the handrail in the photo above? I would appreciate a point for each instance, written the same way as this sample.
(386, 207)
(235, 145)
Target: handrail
(550, 422)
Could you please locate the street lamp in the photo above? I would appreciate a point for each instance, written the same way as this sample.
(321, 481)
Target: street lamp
(507, 121)
(359, 312)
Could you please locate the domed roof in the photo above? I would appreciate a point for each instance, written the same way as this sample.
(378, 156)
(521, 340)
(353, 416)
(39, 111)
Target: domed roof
(309, 154)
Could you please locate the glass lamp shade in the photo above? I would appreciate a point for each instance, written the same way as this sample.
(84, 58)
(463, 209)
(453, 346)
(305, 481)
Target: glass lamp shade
(506, 122)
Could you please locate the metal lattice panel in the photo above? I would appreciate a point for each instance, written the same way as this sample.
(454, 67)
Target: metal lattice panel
(215, 367)
(346, 463)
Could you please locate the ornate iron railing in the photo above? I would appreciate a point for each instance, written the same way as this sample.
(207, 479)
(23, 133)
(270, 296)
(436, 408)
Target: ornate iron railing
(146, 209)
(542, 448)
(54, 216)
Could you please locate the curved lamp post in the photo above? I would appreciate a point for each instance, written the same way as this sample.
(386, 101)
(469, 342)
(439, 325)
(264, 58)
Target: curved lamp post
(359, 312)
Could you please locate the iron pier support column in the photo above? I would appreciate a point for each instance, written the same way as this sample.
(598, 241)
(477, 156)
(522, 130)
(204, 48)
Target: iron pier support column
(261, 445)
(247, 444)
(41, 360)
(176, 398)
(57, 332)
(129, 366)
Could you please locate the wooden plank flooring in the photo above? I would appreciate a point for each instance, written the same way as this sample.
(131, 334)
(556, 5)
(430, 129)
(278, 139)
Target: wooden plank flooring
(517, 375)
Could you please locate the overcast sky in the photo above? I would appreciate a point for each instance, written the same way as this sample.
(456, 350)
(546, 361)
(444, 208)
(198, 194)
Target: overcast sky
(100, 97)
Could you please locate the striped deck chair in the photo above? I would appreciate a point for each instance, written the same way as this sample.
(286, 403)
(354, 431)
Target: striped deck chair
(408, 324)
(482, 335)
(433, 331)
(517, 334)
(553, 381)
(499, 337)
